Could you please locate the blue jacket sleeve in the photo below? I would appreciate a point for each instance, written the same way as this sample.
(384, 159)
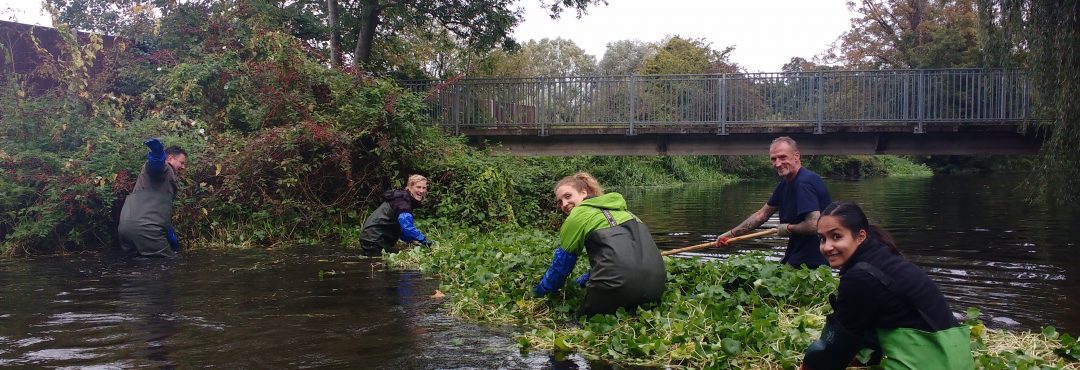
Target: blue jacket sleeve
(174, 242)
(556, 274)
(155, 158)
(409, 232)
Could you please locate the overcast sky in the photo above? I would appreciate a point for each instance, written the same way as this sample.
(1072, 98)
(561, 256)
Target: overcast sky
(23, 11)
(766, 34)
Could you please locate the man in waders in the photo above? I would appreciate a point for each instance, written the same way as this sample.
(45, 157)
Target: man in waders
(146, 220)
(799, 196)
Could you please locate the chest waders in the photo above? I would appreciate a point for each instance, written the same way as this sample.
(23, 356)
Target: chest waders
(908, 348)
(381, 230)
(626, 268)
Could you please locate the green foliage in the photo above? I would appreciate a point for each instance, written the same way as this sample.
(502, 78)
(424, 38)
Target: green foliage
(677, 55)
(61, 178)
(547, 57)
(626, 57)
(955, 164)
(1024, 350)
(909, 34)
(863, 166)
(744, 312)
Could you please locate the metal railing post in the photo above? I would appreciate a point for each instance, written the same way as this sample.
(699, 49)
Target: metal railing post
(542, 100)
(458, 107)
(630, 132)
(921, 101)
(820, 102)
(721, 104)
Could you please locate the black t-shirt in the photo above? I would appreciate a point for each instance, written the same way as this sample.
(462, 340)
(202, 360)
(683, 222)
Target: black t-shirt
(805, 194)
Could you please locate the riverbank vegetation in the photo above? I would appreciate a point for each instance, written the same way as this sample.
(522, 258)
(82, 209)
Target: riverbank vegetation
(745, 312)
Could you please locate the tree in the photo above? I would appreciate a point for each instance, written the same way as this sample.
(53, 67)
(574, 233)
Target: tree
(544, 58)
(909, 34)
(1044, 37)
(688, 56)
(626, 57)
(483, 24)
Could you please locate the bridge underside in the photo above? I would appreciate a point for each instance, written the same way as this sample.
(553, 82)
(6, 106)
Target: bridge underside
(900, 139)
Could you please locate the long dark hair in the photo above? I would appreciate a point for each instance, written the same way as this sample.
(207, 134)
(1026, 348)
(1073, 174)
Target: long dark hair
(853, 218)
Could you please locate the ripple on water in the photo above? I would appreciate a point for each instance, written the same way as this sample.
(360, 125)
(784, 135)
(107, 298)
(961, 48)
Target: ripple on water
(61, 354)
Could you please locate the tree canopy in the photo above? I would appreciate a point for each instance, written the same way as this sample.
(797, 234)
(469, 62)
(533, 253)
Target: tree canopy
(376, 31)
(909, 34)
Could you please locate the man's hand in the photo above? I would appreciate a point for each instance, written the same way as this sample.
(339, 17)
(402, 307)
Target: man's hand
(155, 145)
(724, 240)
(783, 230)
(425, 243)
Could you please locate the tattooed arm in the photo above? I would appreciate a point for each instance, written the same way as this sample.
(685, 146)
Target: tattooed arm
(756, 220)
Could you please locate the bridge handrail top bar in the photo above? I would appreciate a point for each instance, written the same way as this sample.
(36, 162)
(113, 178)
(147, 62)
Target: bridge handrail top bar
(735, 74)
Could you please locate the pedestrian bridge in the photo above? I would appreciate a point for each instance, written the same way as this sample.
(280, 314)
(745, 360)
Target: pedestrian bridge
(939, 111)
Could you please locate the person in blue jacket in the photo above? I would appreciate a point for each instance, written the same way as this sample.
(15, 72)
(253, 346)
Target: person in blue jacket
(799, 197)
(393, 219)
(145, 227)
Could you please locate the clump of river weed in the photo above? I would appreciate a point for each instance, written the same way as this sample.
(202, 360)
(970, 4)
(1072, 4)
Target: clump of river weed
(743, 312)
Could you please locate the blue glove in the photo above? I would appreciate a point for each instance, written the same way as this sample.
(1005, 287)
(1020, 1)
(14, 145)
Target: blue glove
(581, 280)
(174, 242)
(155, 159)
(556, 274)
(409, 232)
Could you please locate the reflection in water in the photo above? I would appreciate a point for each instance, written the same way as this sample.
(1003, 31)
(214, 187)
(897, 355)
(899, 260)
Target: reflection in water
(147, 297)
(975, 236)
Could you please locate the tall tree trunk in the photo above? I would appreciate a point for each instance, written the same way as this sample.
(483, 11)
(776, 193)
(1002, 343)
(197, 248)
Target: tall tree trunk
(335, 35)
(370, 18)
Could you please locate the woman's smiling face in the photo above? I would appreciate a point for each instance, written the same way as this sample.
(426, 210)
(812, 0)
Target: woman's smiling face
(567, 197)
(838, 243)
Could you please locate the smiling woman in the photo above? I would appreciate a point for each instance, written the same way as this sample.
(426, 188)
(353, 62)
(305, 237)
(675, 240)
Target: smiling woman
(626, 268)
(884, 302)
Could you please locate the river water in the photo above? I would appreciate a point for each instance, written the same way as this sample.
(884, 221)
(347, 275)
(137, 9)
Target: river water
(975, 236)
(328, 308)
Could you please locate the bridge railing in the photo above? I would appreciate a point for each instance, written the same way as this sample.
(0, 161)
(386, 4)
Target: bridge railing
(816, 100)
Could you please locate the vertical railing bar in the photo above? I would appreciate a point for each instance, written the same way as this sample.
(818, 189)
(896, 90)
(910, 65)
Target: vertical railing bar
(820, 102)
(722, 105)
(630, 131)
(920, 98)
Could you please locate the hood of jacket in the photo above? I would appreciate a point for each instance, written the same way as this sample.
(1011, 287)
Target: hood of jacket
(400, 201)
(609, 201)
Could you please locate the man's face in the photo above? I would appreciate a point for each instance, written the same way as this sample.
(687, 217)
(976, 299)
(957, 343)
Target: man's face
(177, 161)
(785, 161)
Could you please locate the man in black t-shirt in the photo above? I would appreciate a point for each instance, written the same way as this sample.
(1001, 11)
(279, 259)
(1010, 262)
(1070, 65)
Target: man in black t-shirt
(800, 196)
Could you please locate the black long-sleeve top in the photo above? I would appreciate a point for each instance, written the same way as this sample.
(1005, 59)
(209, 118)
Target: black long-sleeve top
(864, 303)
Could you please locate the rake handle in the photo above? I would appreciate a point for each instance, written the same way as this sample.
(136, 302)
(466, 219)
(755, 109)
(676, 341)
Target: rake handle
(713, 243)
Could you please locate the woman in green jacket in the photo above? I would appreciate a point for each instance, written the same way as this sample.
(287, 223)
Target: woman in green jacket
(626, 267)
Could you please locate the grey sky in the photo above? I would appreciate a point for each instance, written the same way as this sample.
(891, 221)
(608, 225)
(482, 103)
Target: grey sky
(766, 33)
(23, 11)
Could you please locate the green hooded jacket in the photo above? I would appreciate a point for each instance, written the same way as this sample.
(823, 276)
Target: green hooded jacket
(622, 257)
